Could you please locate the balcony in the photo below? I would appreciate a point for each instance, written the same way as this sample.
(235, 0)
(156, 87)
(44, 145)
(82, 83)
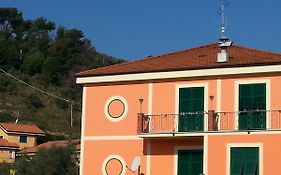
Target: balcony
(209, 122)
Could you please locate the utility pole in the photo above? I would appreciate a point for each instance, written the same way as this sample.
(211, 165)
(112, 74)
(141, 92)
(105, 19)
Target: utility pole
(71, 117)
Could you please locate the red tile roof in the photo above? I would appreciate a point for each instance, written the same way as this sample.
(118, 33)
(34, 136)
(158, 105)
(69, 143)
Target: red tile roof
(50, 144)
(21, 128)
(5, 143)
(203, 57)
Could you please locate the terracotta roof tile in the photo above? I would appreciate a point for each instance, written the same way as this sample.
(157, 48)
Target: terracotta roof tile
(5, 143)
(21, 128)
(50, 144)
(195, 58)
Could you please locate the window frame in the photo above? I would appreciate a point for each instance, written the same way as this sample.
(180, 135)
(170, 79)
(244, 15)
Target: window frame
(21, 137)
(11, 154)
(206, 96)
(237, 145)
(267, 93)
(182, 148)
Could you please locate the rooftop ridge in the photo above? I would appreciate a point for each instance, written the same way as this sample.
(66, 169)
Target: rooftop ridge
(146, 58)
(258, 50)
(25, 128)
(201, 57)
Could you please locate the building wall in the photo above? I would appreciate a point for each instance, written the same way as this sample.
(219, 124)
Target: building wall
(31, 141)
(218, 158)
(163, 156)
(96, 122)
(97, 154)
(5, 156)
(104, 135)
(112, 135)
(14, 138)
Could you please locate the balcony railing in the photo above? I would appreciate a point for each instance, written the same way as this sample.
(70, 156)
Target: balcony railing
(255, 120)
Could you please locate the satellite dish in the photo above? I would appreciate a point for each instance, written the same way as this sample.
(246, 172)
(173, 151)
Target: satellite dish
(136, 163)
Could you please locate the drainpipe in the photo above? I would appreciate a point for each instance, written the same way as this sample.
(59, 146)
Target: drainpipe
(212, 121)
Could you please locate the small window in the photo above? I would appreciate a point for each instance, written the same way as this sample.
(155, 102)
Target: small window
(23, 139)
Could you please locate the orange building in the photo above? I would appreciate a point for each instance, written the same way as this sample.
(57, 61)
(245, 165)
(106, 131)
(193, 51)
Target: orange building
(15, 137)
(212, 110)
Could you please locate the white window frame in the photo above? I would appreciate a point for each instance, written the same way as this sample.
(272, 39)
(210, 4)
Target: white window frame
(11, 154)
(267, 83)
(183, 148)
(249, 145)
(191, 85)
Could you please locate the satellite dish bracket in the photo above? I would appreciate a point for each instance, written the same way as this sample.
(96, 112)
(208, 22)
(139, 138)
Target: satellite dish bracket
(135, 165)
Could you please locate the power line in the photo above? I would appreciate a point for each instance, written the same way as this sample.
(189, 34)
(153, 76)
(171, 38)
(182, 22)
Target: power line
(44, 92)
(33, 87)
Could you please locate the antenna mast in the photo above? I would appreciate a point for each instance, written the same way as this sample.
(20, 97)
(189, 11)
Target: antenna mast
(222, 21)
(224, 42)
(222, 14)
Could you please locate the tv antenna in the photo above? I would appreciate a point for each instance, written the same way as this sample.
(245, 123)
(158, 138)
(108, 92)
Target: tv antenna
(221, 12)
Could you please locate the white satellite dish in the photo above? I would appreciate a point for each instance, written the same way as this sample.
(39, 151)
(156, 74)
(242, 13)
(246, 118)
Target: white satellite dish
(136, 163)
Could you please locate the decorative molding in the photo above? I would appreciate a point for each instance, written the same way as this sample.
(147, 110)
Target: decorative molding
(180, 74)
(107, 109)
(148, 157)
(124, 137)
(83, 122)
(218, 100)
(110, 158)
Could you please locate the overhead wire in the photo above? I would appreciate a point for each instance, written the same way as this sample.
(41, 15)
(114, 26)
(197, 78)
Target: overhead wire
(44, 92)
(35, 88)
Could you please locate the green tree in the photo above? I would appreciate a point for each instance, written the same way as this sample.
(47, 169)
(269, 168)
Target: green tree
(51, 70)
(52, 161)
(44, 54)
(32, 64)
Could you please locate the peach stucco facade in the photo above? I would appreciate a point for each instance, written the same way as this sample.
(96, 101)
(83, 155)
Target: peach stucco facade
(190, 115)
(103, 137)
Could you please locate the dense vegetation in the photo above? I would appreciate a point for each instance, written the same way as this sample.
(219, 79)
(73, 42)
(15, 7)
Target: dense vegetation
(46, 56)
(51, 161)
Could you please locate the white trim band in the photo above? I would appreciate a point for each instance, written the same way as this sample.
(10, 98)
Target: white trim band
(179, 74)
(128, 137)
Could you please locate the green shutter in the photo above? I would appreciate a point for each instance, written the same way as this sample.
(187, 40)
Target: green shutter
(191, 100)
(252, 97)
(23, 139)
(190, 162)
(244, 160)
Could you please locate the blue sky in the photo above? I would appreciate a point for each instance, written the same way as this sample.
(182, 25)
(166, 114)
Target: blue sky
(132, 29)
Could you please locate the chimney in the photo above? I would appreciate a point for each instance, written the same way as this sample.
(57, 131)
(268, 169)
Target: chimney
(224, 43)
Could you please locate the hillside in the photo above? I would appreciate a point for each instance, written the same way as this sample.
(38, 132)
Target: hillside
(47, 57)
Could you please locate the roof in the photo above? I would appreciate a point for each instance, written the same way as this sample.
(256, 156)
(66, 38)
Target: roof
(49, 144)
(21, 128)
(5, 143)
(203, 57)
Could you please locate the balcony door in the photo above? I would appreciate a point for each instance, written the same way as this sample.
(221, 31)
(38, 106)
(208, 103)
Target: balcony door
(191, 109)
(252, 106)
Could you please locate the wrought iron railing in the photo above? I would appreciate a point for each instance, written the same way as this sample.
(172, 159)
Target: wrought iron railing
(210, 121)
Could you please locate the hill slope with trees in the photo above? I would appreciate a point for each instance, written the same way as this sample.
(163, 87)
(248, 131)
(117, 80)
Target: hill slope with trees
(46, 56)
